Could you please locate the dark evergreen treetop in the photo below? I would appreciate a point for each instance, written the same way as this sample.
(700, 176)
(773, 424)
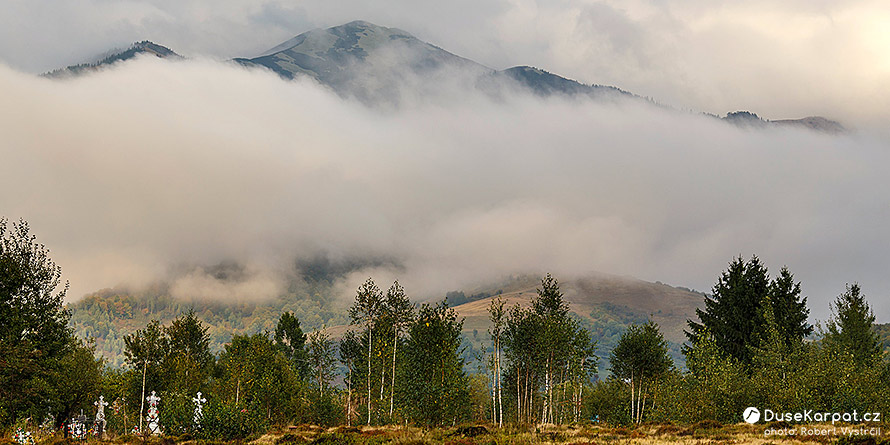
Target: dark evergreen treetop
(732, 314)
(789, 309)
(851, 327)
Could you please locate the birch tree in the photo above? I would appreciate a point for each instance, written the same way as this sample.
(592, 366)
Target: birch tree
(640, 359)
(146, 347)
(350, 351)
(401, 312)
(366, 309)
(497, 316)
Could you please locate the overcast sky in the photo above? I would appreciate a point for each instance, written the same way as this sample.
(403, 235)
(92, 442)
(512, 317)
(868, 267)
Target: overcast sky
(129, 171)
(781, 59)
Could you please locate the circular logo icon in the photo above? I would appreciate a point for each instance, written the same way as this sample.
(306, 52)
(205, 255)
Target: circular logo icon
(751, 414)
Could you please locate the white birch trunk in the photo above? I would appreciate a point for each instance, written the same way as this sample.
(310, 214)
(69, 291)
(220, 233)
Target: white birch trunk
(392, 389)
(142, 402)
(369, 373)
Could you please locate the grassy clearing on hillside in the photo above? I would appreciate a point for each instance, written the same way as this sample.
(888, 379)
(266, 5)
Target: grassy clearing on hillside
(702, 433)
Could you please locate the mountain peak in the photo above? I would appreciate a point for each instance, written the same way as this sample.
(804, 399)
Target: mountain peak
(360, 59)
(116, 55)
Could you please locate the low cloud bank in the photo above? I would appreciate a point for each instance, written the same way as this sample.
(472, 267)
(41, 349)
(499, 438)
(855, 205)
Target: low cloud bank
(130, 172)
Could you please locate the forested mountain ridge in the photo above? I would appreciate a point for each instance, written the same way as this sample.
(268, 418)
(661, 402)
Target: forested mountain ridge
(144, 47)
(605, 304)
(379, 65)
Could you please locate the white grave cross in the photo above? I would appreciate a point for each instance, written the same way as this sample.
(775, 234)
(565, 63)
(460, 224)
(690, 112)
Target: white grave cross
(199, 408)
(153, 425)
(100, 412)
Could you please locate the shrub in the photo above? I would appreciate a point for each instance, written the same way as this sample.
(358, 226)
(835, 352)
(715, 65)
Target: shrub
(607, 402)
(227, 422)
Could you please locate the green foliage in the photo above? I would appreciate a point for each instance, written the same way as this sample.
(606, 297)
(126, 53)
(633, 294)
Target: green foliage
(851, 327)
(188, 360)
(253, 374)
(734, 314)
(320, 358)
(789, 309)
(731, 314)
(290, 339)
(715, 388)
(640, 354)
(435, 385)
(176, 413)
(34, 333)
(350, 354)
(325, 408)
(640, 358)
(225, 421)
(606, 402)
(109, 314)
(540, 344)
(74, 394)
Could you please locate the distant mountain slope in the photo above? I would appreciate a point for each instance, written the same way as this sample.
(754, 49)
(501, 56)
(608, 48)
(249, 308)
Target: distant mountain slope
(883, 331)
(370, 62)
(605, 304)
(139, 48)
(546, 84)
(379, 65)
(330, 55)
(816, 123)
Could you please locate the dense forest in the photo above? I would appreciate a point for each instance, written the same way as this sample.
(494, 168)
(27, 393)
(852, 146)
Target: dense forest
(402, 363)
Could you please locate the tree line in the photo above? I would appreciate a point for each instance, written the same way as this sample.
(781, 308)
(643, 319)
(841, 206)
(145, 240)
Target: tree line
(399, 362)
(751, 346)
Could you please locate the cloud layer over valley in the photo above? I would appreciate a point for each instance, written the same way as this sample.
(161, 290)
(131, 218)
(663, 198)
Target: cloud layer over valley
(135, 172)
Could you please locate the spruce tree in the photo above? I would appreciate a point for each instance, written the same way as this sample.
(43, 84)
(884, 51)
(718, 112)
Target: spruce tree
(789, 309)
(733, 313)
(851, 327)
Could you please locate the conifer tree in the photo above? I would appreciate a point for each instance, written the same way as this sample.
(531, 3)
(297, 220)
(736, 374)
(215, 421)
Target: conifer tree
(733, 313)
(789, 309)
(851, 327)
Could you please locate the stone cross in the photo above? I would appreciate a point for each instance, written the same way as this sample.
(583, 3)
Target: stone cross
(100, 416)
(100, 412)
(199, 408)
(153, 425)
